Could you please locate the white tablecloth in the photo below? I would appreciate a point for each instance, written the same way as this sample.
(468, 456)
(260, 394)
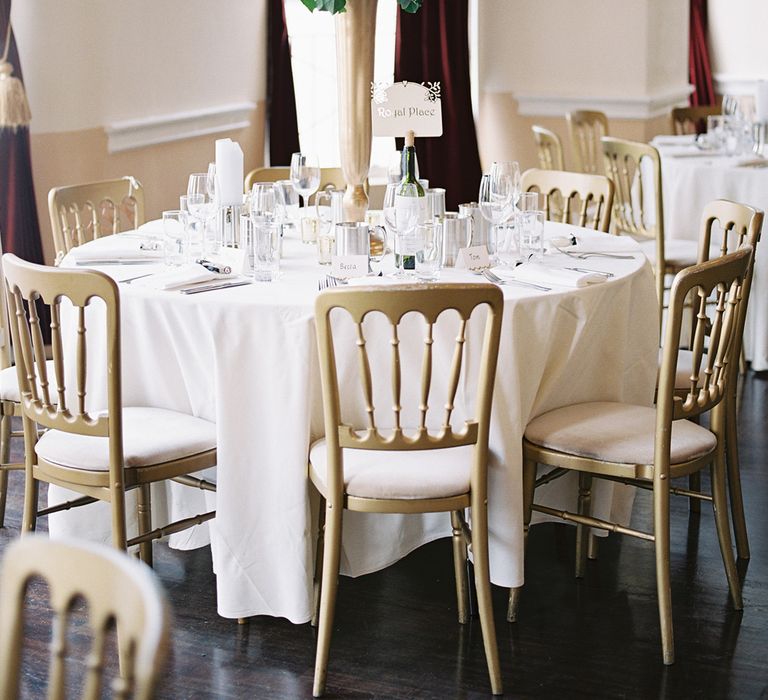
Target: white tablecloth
(691, 179)
(246, 359)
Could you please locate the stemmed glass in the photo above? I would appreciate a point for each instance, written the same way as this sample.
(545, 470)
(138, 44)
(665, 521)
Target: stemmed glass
(499, 192)
(305, 175)
(201, 197)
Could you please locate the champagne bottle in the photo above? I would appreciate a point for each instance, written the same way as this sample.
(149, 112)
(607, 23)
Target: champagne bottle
(410, 209)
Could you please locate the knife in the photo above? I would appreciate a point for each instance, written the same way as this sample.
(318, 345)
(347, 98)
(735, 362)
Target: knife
(213, 287)
(112, 261)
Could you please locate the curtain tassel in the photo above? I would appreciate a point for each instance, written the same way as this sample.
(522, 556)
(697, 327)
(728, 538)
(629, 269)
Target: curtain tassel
(14, 107)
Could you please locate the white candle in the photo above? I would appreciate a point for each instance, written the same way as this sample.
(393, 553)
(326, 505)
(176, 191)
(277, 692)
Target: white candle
(761, 101)
(229, 172)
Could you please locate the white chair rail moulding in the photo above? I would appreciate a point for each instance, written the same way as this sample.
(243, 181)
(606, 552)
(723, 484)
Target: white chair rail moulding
(614, 107)
(732, 84)
(176, 126)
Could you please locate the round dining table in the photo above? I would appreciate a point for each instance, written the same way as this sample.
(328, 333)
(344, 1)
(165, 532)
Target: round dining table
(245, 358)
(692, 178)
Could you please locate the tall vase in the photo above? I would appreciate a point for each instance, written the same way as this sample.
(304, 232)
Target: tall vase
(355, 35)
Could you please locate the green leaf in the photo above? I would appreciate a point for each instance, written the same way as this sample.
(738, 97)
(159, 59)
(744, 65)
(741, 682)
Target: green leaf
(410, 5)
(309, 4)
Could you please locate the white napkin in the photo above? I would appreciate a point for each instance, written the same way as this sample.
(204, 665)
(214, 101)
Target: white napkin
(116, 247)
(181, 276)
(543, 274)
(676, 140)
(153, 229)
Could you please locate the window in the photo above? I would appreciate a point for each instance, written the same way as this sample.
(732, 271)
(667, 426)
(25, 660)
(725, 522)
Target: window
(313, 56)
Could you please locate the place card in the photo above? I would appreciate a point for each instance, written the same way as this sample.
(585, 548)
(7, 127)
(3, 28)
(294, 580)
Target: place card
(473, 258)
(398, 107)
(346, 266)
(233, 258)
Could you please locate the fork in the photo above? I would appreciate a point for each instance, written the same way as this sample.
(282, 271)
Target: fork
(592, 254)
(493, 277)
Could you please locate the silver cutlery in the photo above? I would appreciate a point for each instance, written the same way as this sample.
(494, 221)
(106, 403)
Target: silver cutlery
(115, 261)
(493, 277)
(583, 255)
(213, 287)
(138, 277)
(590, 270)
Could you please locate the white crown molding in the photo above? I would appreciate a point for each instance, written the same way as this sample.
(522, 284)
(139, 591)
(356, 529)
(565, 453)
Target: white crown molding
(642, 107)
(149, 131)
(732, 84)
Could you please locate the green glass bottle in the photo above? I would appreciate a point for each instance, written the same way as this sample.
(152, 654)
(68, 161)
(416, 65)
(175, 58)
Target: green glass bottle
(410, 210)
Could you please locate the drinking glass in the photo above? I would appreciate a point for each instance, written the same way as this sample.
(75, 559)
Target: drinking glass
(531, 235)
(175, 237)
(201, 201)
(496, 199)
(287, 201)
(507, 245)
(262, 201)
(406, 219)
(305, 175)
(429, 235)
(435, 202)
(266, 249)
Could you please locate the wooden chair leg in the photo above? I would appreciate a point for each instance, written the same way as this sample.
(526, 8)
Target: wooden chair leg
(144, 512)
(330, 582)
(720, 505)
(694, 484)
(483, 587)
(734, 479)
(5, 458)
(663, 586)
(460, 565)
(316, 587)
(529, 486)
(582, 531)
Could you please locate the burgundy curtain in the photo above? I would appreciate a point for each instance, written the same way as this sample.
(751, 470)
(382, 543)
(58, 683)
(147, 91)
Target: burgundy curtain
(698, 56)
(281, 102)
(433, 45)
(18, 213)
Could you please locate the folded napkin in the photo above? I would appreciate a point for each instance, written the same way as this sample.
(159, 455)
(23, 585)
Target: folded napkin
(116, 247)
(152, 228)
(543, 274)
(177, 277)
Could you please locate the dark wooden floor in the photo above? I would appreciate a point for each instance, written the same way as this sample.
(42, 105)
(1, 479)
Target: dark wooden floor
(396, 634)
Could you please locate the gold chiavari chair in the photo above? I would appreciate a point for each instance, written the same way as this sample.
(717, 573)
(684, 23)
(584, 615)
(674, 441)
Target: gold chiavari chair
(432, 468)
(738, 225)
(328, 176)
(692, 120)
(575, 198)
(585, 129)
(549, 148)
(81, 213)
(635, 169)
(97, 453)
(116, 589)
(648, 447)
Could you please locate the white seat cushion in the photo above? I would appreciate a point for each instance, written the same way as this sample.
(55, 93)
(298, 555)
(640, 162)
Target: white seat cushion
(615, 432)
(677, 252)
(9, 383)
(150, 436)
(405, 474)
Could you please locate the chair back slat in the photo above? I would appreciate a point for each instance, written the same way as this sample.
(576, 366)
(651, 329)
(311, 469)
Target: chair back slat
(117, 591)
(692, 120)
(28, 284)
(429, 301)
(572, 198)
(81, 213)
(549, 148)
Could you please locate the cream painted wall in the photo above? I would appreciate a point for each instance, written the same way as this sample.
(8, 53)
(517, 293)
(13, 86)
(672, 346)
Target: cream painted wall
(629, 56)
(88, 64)
(737, 40)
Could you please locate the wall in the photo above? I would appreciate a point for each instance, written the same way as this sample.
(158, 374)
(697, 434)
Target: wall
(538, 60)
(157, 66)
(737, 44)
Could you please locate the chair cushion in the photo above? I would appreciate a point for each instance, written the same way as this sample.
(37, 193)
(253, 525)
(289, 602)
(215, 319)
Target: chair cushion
(150, 436)
(615, 432)
(677, 252)
(405, 474)
(9, 383)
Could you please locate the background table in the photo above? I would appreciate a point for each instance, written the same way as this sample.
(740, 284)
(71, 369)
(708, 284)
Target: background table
(246, 359)
(690, 180)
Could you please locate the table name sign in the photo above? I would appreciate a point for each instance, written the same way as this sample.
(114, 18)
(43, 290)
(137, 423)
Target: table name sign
(233, 258)
(346, 266)
(398, 107)
(473, 258)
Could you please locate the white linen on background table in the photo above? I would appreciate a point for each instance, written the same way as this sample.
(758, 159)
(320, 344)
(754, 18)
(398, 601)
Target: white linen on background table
(689, 184)
(246, 359)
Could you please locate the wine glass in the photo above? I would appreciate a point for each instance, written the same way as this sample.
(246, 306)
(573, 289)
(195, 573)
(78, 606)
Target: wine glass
(496, 199)
(305, 175)
(263, 202)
